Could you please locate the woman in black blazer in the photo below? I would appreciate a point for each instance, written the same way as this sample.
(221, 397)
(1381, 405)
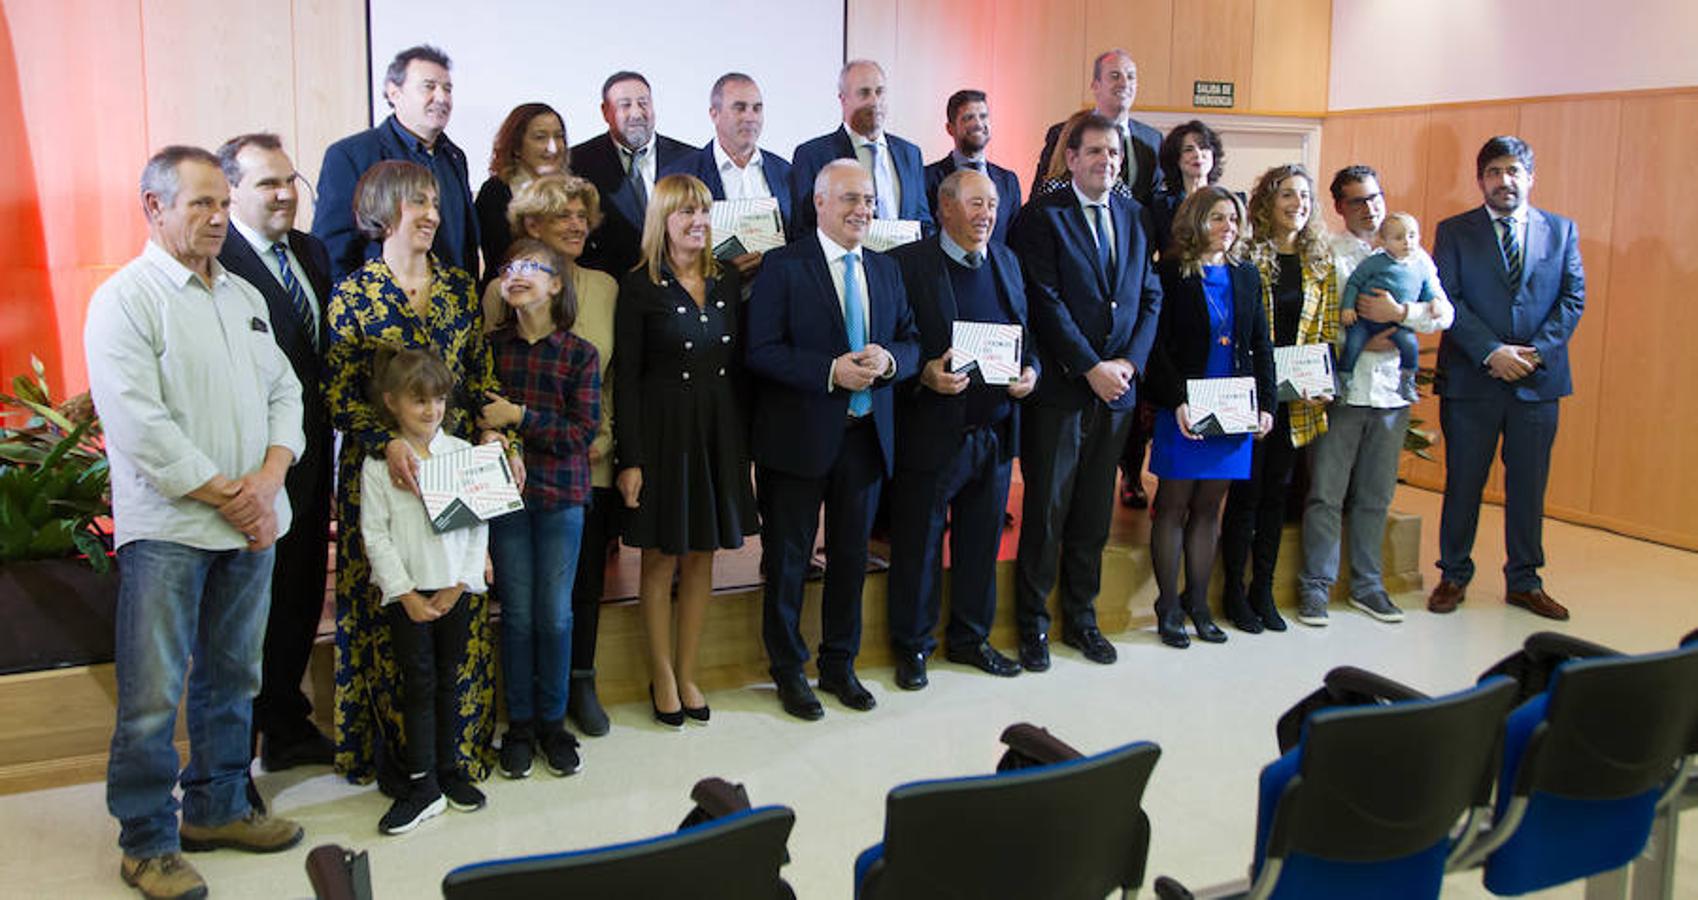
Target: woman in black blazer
(530, 143)
(1212, 326)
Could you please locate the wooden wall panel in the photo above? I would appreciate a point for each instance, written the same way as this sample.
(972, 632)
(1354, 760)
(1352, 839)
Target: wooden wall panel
(189, 53)
(1143, 28)
(1290, 55)
(1033, 36)
(1644, 472)
(958, 37)
(1213, 41)
(330, 85)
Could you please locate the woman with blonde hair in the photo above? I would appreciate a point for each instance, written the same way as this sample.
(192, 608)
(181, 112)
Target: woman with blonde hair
(679, 431)
(1289, 247)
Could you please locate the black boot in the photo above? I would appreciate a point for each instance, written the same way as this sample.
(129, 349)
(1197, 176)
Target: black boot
(1170, 623)
(1198, 608)
(1262, 602)
(1237, 609)
(583, 706)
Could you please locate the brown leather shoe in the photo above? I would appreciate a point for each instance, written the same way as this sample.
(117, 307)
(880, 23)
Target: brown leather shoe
(255, 833)
(165, 877)
(1537, 602)
(1446, 597)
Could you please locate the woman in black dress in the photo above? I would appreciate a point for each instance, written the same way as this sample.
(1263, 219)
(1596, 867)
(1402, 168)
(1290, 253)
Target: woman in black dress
(530, 143)
(679, 435)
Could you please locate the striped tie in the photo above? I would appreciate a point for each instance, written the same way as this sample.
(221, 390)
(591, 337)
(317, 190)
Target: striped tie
(1511, 250)
(297, 294)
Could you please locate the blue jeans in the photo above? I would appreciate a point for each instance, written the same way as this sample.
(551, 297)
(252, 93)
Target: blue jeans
(177, 603)
(536, 559)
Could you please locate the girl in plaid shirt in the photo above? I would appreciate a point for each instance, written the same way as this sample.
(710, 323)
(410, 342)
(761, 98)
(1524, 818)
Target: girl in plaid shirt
(550, 379)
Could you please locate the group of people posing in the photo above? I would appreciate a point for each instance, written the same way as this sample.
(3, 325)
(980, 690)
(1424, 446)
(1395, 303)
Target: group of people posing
(575, 312)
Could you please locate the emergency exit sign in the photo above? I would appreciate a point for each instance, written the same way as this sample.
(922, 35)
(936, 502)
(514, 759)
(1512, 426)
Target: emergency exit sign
(1212, 93)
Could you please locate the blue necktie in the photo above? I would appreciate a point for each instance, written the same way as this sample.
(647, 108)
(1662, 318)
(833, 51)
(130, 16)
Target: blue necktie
(1511, 251)
(882, 190)
(297, 295)
(1105, 255)
(855, 323)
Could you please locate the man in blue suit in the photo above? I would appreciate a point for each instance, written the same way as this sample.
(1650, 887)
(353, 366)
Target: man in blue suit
(421, 93)
(1515, 277)
(1094, 302)
(967, 119)
(1114, 84)
(732, 165)
(829, 332)
(899, 178)
(623, 163)
(956, 436)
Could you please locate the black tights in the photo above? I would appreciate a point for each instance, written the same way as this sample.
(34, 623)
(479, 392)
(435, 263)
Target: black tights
(1187, 519)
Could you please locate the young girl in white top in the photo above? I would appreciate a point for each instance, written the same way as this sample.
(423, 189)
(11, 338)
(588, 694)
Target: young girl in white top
(424, 576)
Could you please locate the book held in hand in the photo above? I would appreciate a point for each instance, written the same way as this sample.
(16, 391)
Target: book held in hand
(750, 225)
(988, 348)
(1304, 372)
(1222, 406)
(884, 235)
(469, 486)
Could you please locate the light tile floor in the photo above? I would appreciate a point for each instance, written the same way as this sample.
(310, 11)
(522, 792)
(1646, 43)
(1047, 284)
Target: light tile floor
(1211, 708)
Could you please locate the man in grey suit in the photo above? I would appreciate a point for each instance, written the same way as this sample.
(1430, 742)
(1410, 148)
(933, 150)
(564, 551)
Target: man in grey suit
(1514, 275)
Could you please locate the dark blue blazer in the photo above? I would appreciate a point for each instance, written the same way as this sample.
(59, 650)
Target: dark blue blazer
(1145, 142)
(615, 246)
(1183, 342)
(812, 156)
(773, 167)
(333, 213)
(794, 331)
(1007, 192)
(1080, 314)
(1542, 311)
(928, 424)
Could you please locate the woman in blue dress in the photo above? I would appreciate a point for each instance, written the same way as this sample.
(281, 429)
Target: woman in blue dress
(1211, 327)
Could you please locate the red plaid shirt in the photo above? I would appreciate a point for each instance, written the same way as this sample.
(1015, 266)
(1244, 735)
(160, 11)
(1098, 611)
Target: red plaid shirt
(558, 381)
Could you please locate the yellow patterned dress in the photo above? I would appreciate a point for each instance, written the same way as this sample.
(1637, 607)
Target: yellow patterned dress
(368, 313)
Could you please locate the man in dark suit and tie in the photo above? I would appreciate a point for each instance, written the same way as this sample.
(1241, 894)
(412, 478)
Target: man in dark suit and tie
(623, 164)
(956, 436)
(1094, 304)
(1514, 274)
(732, 165)
(292, 271)
(829, 333)
(899, 178)
(968, 122)
(421, 93)
(1114, 83)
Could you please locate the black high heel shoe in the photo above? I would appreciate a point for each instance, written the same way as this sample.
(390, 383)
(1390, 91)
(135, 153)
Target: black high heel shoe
(695, 713)
(1207, 630)
(1170, 625)
(674, 719)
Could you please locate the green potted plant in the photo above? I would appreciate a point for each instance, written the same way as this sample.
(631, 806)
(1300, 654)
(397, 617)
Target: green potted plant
(58, 593)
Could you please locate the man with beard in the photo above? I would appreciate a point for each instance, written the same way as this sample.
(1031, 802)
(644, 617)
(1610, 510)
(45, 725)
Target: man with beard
(899, 178)
(1114, 84)
(967, 119)
(623, 163)
(1515, 277)
(421, 93)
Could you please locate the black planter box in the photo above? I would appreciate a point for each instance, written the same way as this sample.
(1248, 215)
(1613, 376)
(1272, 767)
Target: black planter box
(55, 613)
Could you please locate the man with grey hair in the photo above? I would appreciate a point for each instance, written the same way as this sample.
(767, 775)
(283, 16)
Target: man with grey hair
(824, 427)
(1114, 85)
(898, 174)
(419, 89)
(202, 417)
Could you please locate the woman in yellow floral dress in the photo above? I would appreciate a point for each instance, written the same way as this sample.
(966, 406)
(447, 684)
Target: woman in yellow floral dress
(404, 298)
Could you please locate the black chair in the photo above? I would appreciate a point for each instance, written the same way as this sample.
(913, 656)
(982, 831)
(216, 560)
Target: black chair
(1367, 802)
(734, 853)
(1052, 824)
(1653, 872)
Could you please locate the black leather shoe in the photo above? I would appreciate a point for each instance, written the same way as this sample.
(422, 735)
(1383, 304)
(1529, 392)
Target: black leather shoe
(1170, 624)
(985, 658)
(798, 699)
(848, 689)
(314, 751)
(673, 719)
(1207, 631)
(910, 671)
(1034, 653)
(1090, 641)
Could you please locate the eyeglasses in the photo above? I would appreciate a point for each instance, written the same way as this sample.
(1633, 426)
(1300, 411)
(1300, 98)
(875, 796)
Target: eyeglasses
(519, 268)
(1363, 201)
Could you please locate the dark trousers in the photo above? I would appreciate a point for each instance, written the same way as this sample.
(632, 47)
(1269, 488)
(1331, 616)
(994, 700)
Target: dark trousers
(281, 712)
(601, 526)
(1471, 430)
(428, 655)
(1255, 511)
(790, 515)
(970, 493)
(1137, 441)
(1067, 460)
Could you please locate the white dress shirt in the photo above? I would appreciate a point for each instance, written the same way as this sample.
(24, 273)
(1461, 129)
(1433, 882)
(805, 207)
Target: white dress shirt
(1085, 204)
(834, 263)
(263, 248)
(646, 166)
(885, 162)
(406, 553)
(741, 182)
(190, 384)
(1378, 372)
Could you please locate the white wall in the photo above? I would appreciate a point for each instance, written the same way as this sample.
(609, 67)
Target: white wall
(507, 52)
(1399, 53)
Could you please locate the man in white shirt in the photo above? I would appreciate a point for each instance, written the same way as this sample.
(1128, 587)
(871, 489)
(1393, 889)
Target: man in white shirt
(202, 416)
(1358, 456)
(1114, 87)
(898, 174)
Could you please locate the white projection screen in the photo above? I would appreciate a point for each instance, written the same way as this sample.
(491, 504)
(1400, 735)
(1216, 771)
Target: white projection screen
(507, 52)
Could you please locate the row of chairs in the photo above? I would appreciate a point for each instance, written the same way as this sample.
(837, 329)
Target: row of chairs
(1564, 762)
